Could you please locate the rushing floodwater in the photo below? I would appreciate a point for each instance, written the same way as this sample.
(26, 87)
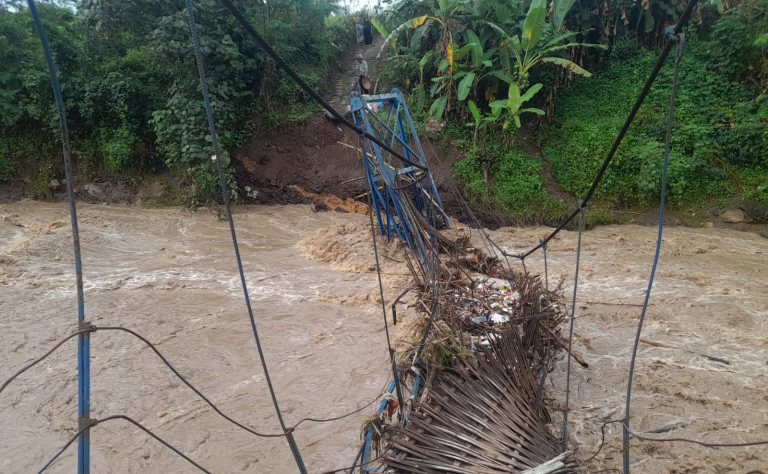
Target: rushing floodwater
(170, 275)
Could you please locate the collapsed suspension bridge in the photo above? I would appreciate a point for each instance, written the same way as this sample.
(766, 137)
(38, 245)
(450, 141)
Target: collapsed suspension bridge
(407, 205)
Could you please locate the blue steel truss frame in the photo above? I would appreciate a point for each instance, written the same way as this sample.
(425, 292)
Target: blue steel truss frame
(401, 195)
(386, 116)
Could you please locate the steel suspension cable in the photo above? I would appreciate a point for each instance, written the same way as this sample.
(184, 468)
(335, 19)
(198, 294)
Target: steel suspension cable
(225, 197)
(83, 343)
(679, 38)
(546, 272)
(540, 386)
(390, 351)
(582, 209)
(489, 244)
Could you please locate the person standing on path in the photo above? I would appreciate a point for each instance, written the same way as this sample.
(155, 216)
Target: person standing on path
(362, 74)
(367, 32)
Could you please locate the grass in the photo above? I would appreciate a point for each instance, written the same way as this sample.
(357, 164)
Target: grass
(516, 186)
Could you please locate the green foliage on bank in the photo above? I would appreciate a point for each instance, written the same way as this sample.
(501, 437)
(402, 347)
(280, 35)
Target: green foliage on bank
(720, 138)
(517, 187)
(719, 129)
(129, 80)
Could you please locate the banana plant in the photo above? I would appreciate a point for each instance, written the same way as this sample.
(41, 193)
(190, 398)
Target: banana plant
(420, 90)
(512, 106)
(439, 16)
(540, 40)
(480, 65)
(481, 121)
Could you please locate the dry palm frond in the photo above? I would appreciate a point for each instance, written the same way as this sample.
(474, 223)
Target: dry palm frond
(478, 418)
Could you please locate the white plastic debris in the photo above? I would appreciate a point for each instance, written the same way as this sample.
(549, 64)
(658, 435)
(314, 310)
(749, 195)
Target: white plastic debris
(499, 318)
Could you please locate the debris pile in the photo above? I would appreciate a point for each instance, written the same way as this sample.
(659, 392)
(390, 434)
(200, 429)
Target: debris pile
(487, 305)
(479, 417)
(485, 339)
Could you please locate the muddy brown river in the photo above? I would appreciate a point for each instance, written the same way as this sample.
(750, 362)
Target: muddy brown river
(170, 275)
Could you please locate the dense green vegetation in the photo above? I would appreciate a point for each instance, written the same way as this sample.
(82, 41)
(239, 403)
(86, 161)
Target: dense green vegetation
(720, 142)
(719, 137)
(520, 86)
(131, 89)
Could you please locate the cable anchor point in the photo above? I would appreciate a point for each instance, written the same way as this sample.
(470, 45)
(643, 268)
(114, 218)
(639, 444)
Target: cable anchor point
(86, 326)
(85, 422)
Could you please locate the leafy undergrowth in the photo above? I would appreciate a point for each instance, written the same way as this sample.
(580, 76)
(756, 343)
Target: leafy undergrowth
(516, 186)
(719, 143)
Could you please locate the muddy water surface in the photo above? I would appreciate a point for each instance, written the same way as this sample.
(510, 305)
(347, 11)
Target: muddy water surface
(703, 371)
(170, 275)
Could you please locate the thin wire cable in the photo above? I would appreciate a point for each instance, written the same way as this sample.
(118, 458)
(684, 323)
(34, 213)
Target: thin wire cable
(570, 330)
(349, 468)
(33, 363)
(225, 196)
(301, 83)
(175, 371)
(602, 440)
(83, 346)
(187, 382)
(359, 455)
(371, 461)
(136, 424)
(68, 444)
(680, 39)
(336, 418)
(700, 443)
(684, 18)
(490, 245)
(682, 440)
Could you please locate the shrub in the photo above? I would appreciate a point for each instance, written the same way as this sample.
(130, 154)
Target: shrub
(516, 186)
(518, 183)
(118, 148)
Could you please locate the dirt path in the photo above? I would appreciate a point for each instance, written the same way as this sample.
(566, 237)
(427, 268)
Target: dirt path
(346, 81)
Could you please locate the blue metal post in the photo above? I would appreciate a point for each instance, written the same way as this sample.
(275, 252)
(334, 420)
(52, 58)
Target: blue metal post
(83, 342)
(369, 432)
